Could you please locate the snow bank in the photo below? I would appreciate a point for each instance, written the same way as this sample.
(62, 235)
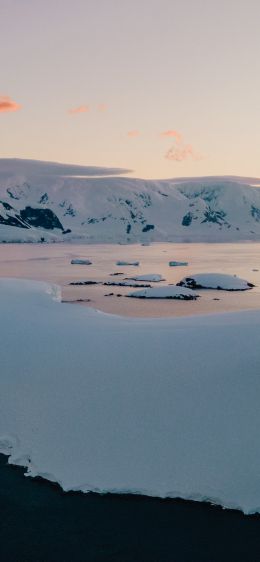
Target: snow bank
(152, 277)
(80, 262)
(168, 292)
(216, 281)
(166, 407)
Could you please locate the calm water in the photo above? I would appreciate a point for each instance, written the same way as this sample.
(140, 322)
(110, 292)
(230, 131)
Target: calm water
(52, 263)
(40, 523)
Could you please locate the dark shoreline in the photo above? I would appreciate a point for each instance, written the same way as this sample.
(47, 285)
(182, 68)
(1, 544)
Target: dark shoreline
(41, 523)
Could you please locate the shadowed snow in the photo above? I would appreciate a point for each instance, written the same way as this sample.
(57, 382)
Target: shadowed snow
(166, 407)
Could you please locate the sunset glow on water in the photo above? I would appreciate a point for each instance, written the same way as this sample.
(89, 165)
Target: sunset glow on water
(52, 263)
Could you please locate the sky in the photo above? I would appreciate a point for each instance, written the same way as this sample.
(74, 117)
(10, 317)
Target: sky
(166, 88)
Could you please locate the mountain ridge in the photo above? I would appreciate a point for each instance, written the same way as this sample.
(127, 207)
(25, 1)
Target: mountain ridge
(37, 205)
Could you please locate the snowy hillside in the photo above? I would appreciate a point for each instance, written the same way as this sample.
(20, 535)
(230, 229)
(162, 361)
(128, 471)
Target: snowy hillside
(42, 201)
(119, 405)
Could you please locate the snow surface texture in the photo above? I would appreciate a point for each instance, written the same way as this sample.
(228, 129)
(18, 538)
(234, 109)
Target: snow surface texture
(216, 281)
(49, 202)
(98, 402)
(168, 292)
(153, 277)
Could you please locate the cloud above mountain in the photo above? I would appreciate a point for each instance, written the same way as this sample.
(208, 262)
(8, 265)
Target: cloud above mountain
(172, 133)
(102, 107)
(16, 166)
(134, 133)
(79, 109)
(180, 150)
(8, 105)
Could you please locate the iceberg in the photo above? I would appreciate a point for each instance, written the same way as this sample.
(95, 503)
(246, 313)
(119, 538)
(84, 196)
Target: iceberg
(121, 263)
(219, 281)
(80, 262)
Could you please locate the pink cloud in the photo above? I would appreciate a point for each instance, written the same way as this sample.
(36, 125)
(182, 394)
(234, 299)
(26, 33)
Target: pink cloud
(102, 107)
(172, 133)
(180, 152)
(79, 109)
(134, 133)
(7, 104)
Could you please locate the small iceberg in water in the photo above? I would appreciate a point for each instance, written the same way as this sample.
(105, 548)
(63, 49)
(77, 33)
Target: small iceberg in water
(78, 261)
(177, 263)
(135, 263)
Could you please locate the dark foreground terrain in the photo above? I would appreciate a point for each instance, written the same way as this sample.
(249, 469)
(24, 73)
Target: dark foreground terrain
(40, 523)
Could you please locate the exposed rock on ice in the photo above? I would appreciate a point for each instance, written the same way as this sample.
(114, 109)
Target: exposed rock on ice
(126, 284)
(85, 282)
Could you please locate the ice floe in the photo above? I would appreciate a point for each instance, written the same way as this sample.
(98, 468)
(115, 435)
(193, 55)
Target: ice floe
(121, 263)
(77, 261)
(168, 292)
(177, 263)
(216, 281)
(152, 277)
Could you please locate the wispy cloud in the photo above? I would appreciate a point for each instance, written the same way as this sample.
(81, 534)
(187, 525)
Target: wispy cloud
(8, 105)
(172, 133)
(79, 109)
(134, 133)
(102, 107)
(180, 151)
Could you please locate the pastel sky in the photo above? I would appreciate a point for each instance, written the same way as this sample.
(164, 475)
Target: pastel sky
(166, 88)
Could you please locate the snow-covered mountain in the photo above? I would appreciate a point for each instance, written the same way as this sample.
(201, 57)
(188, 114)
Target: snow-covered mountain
(42, 201)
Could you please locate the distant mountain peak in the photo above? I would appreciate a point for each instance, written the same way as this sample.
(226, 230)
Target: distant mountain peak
(47, 206)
